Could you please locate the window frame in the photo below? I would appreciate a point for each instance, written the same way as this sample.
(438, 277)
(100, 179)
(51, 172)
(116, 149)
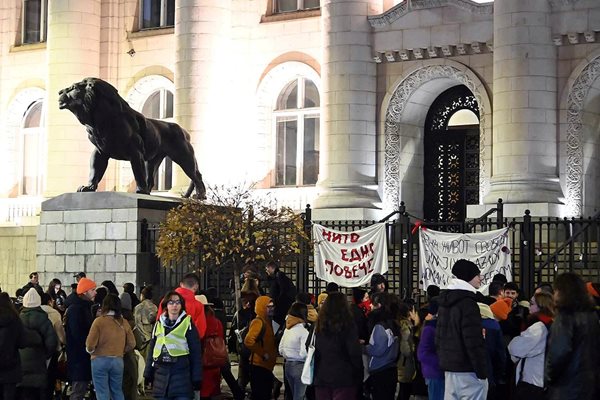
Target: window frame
(40, 133)
(167, 163)
(299, 114)
(299, 7)
(43, 26)
(163, 16)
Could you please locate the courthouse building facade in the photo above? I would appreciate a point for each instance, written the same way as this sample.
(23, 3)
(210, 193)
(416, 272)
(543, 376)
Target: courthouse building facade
(350, 105)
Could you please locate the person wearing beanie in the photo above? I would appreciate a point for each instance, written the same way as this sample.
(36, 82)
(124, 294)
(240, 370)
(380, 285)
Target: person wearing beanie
(306, 298)
(378, 284)
(496, 350)
(500, 308)
(459, 340)
(33, 358)
(78, 321)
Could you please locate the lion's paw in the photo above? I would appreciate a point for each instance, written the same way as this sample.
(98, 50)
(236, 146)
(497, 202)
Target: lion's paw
(87, 188)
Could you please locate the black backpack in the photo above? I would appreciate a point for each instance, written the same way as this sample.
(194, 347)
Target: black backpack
(241, 334)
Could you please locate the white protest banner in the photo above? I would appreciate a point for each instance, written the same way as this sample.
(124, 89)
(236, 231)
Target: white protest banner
(350, 258)
(438, 251)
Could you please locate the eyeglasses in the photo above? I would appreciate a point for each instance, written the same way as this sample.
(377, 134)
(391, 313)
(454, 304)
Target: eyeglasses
(174, 302)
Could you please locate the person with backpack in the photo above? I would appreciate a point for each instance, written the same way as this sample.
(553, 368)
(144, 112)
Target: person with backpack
(34, 358)
(383, 348)
(174, 362)
(260, 340)
(528, 350)
(240, 324)
(293, 348)
(214, 355)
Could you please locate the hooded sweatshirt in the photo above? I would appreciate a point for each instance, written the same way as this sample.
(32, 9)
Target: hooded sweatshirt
(293, 342)
(264, 353)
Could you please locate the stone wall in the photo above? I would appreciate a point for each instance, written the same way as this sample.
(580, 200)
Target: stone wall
(17, 257)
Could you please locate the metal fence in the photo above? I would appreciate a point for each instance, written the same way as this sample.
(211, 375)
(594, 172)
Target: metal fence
(541, 248)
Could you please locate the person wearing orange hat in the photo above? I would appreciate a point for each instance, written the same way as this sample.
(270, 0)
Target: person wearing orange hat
(78, 321)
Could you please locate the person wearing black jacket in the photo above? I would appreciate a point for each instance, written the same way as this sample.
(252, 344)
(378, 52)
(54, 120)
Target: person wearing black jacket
(282, 290)
(573, 353)
(459, 335)
(338, 368)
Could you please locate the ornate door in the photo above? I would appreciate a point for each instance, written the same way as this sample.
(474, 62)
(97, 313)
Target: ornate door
(451, 162)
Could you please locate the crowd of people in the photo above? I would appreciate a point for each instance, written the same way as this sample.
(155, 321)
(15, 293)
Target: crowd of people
(372, 344)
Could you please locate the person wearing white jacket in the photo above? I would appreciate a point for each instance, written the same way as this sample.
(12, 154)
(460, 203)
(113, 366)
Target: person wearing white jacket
(530, 346)
(293, 348)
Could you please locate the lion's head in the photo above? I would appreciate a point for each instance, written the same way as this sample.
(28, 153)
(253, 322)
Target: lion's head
(82, 98)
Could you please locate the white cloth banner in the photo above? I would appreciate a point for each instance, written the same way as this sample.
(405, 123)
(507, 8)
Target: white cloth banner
(438, 251)
(350, 258)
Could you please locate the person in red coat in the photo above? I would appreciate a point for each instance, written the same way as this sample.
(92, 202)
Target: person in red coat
(211, 376)
(187, 289)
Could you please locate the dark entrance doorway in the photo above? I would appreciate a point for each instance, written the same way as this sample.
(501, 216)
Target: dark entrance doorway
(451, 162)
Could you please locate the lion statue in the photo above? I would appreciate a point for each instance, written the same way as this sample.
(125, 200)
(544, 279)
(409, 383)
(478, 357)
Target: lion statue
(118, 131)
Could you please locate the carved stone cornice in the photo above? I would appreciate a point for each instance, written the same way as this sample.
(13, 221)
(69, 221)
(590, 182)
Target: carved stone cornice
(562, 3)
(401, 9)
(575, 38)
(459, 49)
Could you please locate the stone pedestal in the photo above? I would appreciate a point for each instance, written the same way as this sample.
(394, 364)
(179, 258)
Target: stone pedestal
(98, 233)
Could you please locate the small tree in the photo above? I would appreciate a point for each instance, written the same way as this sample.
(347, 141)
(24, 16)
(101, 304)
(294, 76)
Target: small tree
(231, 226)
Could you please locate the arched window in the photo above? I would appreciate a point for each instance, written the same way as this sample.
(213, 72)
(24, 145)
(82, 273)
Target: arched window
(451, 162)
(297, 134)
(31, 132)
(159, 105)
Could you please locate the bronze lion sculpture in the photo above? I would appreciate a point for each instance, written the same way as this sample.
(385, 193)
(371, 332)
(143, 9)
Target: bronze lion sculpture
(118, 131)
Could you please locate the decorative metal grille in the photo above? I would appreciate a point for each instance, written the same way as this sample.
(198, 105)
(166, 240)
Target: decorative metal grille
(451, 171)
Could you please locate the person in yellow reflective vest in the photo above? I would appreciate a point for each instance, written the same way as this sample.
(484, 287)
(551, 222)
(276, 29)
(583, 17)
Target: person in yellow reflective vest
(174, 359)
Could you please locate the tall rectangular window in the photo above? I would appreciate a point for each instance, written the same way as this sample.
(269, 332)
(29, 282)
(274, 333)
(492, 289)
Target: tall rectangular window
(157, 13)
(281, 6)
(35, 14)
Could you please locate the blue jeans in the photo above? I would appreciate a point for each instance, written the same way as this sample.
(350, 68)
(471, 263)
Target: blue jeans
(435, 388)
(107, 374)
(293, 373)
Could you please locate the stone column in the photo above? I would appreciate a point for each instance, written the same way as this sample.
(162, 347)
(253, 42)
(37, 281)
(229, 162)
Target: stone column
(201, 35)
(525, 158)
(73, 51)
(347, 176)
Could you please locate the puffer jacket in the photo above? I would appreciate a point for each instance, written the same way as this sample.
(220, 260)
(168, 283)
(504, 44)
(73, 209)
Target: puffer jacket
(264, 352)
(33, 359)
(78, 321)
(459, 335)
(175, 379)
(12, 337)
(293, 342)
(573, 357)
